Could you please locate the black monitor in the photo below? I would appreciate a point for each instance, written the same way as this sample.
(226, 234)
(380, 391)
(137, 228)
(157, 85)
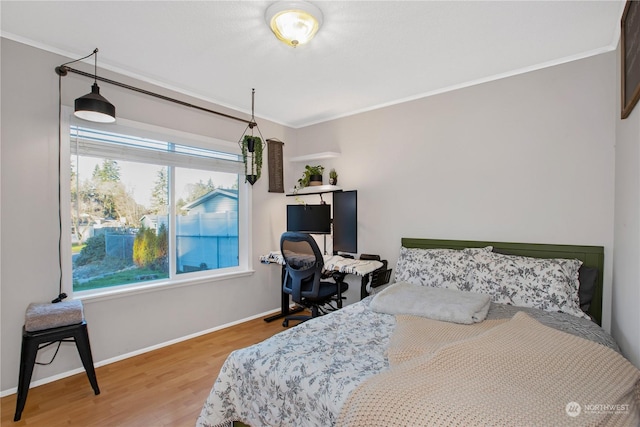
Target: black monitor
(313, 219)
(345, 221)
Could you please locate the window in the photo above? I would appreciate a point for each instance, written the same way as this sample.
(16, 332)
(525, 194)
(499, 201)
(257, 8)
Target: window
(152, 210)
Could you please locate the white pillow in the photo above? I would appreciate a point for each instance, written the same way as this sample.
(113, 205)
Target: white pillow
(546, 284)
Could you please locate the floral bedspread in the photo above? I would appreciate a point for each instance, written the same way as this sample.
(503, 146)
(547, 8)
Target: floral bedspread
(303, 375)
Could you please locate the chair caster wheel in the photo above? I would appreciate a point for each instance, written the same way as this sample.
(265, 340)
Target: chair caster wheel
(285, 323)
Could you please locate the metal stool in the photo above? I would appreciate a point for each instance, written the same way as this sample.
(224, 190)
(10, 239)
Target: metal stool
(39, 315)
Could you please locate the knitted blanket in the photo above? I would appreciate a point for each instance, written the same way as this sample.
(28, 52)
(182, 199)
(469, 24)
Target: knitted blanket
(414, 337)
(517, 373)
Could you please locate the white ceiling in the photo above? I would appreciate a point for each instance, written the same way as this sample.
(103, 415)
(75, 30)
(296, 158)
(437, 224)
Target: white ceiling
(367, 54)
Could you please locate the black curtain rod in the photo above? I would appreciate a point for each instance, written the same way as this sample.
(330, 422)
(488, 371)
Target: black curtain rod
(62, 71)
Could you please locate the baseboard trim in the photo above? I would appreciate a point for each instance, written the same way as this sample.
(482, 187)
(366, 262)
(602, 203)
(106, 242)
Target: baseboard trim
(111, 360)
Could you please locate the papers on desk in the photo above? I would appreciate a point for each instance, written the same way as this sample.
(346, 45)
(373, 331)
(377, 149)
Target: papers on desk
(350, 265)
(332, 262)
(273, 258)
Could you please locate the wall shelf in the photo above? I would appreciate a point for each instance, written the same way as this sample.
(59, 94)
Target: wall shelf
(315, 189)
(315, 156)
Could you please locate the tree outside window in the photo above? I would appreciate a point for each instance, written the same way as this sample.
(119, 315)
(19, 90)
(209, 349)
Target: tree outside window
(122, 228)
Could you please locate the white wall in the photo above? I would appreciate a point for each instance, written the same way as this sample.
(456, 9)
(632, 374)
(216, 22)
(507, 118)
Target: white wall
(529, 158)
(29, 213)
(625, 322)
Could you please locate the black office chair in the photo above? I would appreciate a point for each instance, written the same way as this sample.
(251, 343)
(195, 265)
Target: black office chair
(303, 276)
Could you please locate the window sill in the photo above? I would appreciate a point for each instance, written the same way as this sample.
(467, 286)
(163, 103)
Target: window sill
(125, 291)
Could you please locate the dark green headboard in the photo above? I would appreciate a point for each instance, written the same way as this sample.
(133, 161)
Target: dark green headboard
(591, 256)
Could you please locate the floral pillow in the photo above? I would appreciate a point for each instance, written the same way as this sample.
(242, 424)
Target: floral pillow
(546, 284)
(440, 268)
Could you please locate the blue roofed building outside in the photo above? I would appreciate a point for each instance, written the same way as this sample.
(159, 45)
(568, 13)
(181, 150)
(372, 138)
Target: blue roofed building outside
(207, 236)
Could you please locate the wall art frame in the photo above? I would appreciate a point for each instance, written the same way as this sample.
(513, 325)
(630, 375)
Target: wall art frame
(630, 52)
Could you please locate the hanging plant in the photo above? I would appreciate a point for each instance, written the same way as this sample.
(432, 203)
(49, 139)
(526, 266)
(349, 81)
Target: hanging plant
(252, 169)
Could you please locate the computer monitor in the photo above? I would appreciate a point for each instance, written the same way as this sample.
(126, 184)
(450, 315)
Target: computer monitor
(345, 221)
(312, 219)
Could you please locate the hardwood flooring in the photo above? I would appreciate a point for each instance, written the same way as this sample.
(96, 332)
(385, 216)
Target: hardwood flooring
(165, 387)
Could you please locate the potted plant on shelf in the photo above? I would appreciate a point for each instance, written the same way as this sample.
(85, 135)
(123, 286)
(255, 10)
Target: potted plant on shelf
(312, 175)
(252, 169)
(333, 177)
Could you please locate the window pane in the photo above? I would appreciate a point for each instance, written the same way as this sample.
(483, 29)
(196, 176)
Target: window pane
(148, 210)
(119, 224)
(206, 220)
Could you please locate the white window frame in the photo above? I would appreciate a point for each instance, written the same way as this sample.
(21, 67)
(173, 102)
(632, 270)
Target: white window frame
(129, 127)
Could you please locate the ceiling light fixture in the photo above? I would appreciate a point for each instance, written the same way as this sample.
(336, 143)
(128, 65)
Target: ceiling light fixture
(294, 22)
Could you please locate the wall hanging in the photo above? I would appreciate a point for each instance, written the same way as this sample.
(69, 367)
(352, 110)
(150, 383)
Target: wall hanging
(276, 169)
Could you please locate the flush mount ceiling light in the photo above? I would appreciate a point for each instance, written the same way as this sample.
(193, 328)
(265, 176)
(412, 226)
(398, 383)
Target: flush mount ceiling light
(294, 22)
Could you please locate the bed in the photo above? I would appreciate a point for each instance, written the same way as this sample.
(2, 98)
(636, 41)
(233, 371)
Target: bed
(527, 357)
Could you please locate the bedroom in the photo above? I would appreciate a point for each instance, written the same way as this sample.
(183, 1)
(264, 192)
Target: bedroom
(542, 157)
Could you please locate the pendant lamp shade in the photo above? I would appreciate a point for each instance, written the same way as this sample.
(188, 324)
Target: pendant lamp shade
(95, 107)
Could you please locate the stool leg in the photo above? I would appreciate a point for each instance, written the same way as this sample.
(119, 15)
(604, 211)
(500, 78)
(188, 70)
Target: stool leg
(84, 349)
(27, 360)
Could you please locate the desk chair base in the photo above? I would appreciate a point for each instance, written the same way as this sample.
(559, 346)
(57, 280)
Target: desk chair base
(301, 317)
(35, 340)
(319, 310)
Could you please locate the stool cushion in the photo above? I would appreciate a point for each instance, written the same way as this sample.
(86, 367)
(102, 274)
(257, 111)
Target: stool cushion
(41, 316)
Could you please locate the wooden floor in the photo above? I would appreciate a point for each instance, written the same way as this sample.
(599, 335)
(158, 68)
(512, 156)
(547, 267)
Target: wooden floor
(165, 387)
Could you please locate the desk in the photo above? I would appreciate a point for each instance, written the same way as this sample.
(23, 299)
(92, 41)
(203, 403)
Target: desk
(332, 263)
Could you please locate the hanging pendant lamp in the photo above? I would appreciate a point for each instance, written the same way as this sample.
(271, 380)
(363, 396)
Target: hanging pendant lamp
(93, 106)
